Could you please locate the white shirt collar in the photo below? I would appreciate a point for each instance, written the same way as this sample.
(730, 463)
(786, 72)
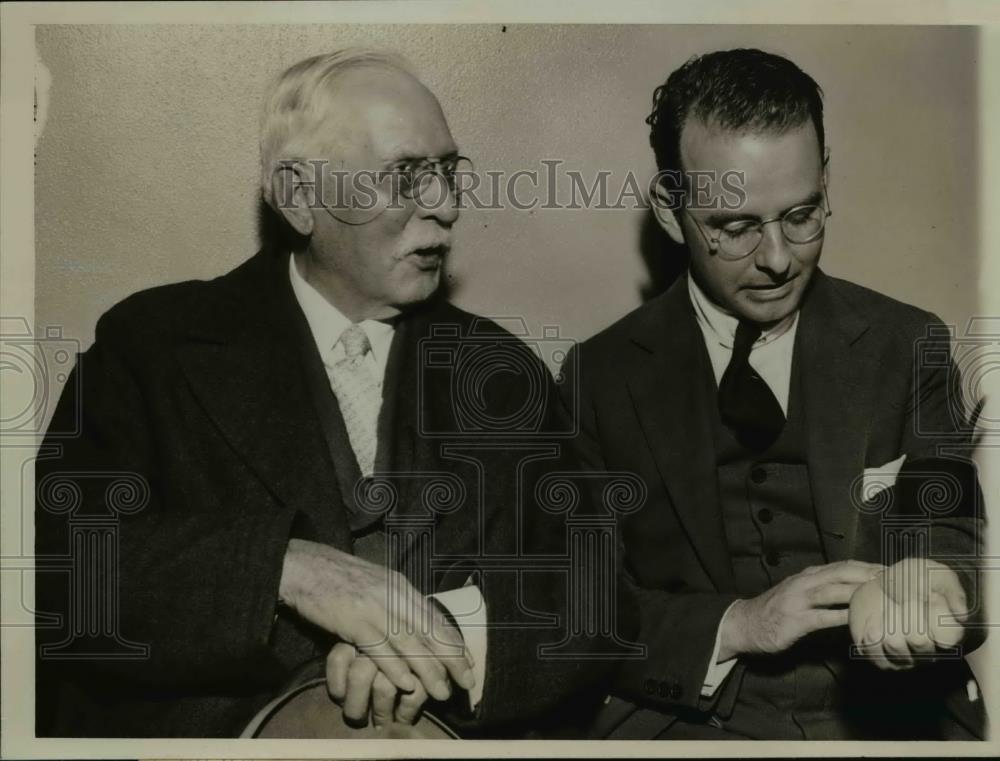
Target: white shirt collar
(327, 323)
(722, 324)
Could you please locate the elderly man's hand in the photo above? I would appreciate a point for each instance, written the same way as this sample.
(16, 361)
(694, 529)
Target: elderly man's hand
(379, 612)
(356, 683)
(906, 614)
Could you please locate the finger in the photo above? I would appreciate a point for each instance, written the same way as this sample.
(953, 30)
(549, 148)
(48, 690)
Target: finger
(446, 642)
(377, 647)
(830, 594)
(823, 618)
(423, 664)
(860, 565)
(360, 677)
(945, 630)
(920, 643)
(844, 572)
(383, 700)
(896, 651)
(443, 637)
(950, 588)
(875, 655)
(879, 659)
(337, 664)
(872, 644)
(410, 704)
(870, 649)
(856, 624)
(915, 616)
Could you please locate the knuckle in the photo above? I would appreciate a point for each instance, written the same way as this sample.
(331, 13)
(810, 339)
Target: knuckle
(437, 667)
(357, 671)
(341, 654)
(896, 645)
(413, 700)
(922, 642)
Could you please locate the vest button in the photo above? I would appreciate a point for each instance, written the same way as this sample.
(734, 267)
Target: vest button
(772, 558)
(758, 475)
(764, 515)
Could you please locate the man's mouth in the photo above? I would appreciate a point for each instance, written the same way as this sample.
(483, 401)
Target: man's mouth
(771, 290)
(429, 257)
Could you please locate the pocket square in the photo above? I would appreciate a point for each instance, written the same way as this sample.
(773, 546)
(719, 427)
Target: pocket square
(874, 480)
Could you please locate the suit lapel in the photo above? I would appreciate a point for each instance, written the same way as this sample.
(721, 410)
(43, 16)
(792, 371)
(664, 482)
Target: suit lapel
(839, 377)
(247, 365)
(417, 400)
(671, 393)
(397, 420)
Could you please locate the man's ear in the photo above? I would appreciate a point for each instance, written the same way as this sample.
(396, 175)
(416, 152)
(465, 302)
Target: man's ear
(666, 216)
(291, 194)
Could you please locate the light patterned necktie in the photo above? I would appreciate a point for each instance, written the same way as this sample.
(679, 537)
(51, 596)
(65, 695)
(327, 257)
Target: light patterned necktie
(359, 394)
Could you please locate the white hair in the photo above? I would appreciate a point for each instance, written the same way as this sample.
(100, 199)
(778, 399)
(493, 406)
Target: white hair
(298, 102)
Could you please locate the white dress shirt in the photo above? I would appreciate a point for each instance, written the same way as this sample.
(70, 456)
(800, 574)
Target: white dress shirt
(327, 323)
(771, 357)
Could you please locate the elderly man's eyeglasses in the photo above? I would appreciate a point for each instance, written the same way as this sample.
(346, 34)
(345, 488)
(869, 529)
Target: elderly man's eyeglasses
(413, 177)
(739, 239)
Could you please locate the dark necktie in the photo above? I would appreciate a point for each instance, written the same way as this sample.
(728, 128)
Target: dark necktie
(746, 402)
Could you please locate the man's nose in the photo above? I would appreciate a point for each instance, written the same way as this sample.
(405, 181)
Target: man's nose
(774, 254)
(438, 201)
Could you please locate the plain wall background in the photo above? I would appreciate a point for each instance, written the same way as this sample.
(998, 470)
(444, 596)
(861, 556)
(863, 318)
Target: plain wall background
(147, 168)
(146, 171)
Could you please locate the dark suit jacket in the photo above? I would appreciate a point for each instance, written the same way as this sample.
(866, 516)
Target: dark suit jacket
(209, 395)
(644, 398)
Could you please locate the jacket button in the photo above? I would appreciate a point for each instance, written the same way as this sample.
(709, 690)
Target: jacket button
(758, 475)
(676, 691)
(772, 558)
(649, 686)
(765, 515)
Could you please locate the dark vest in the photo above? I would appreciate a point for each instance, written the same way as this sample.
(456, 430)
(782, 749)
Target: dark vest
(772, 533)
(767, 504)
(366, 527)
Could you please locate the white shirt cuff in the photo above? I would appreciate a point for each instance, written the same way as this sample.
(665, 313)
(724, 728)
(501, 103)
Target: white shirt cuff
(468, 608)
(717, 672)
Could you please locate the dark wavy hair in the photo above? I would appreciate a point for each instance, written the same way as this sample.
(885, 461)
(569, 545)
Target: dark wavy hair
(735, 90)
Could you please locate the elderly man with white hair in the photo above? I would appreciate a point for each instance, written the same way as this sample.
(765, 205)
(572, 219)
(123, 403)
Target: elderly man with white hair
(296, 441)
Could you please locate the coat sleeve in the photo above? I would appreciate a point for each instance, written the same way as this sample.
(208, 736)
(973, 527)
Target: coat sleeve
(938, 484)
(188, 594)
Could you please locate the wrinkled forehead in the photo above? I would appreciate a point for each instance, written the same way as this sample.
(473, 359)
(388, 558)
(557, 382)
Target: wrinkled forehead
(381, 115)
